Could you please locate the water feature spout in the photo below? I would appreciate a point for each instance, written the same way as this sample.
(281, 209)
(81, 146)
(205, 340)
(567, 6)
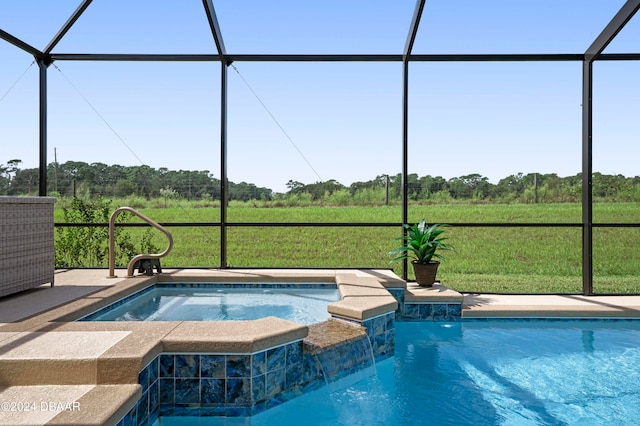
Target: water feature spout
(341, 351)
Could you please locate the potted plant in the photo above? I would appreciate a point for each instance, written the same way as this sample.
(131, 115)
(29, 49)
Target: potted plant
(421, 243)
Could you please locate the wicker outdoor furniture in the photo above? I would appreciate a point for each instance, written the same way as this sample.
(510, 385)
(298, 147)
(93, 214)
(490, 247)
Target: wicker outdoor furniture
(26, 243)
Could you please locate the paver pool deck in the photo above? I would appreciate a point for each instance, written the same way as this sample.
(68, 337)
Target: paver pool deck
(56, 371)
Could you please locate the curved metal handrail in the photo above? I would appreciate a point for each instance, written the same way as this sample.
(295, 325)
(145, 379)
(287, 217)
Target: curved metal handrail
(112, 243)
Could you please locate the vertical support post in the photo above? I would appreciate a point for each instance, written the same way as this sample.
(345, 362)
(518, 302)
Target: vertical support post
(224, 181)
(587, 180)
(408, 47)
(43, 65)
(386, 190)
(617, 23)
(405, 152)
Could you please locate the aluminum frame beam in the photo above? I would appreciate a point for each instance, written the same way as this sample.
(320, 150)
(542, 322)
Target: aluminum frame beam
(43, 64)
(67, 26)
(616, 24)
(21, 44)
(224, 182)
(413, 29)
(215, 28)
(624, 15)
(408, 47)
(316, 57)
(136, 57)
(587, 179)
(405, 155)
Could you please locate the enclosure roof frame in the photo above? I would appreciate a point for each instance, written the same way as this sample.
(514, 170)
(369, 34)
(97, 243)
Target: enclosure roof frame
(594, 52)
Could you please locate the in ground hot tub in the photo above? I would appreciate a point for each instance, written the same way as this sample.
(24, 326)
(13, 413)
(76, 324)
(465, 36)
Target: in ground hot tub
(301, 303)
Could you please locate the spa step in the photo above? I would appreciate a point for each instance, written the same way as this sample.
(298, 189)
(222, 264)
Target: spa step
(55, 357)
(67, 405)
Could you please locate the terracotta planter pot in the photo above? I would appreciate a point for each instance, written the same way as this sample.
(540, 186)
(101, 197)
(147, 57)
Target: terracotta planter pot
(425, 273)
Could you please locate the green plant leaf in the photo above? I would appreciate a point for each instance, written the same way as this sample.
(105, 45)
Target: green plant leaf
(420, 242)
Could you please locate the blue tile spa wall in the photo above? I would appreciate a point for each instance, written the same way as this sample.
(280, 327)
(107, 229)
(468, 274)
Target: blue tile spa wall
(342, 360)
(229, 384)
(423, 311)
(381, 333)
(147, 409)
(398, 294)
(240, 384)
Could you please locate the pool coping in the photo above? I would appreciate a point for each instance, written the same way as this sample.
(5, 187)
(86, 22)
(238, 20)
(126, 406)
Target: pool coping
(49, 310)
(145, 340)
(550, 306)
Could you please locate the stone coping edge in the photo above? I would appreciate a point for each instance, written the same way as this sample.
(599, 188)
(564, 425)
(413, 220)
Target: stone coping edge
(435, 294)
(363, 297)
(249, 276)
(331, 333)
(566, 312)
(123, 361)
(369, 286)
(233, 336)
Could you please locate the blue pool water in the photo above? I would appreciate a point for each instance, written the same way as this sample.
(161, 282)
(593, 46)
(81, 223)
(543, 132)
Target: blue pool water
(482, 372)
(305, 304)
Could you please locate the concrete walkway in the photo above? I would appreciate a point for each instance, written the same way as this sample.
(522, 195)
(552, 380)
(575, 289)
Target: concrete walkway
(69, 285)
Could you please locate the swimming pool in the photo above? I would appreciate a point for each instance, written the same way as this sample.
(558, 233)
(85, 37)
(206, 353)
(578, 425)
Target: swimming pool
(301, 303)
(482, 372)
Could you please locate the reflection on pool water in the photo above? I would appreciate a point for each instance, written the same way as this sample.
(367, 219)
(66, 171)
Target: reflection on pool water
(482, 372)
(304, 304)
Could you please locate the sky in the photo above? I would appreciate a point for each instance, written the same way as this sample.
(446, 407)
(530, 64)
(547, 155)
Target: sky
(315, 121)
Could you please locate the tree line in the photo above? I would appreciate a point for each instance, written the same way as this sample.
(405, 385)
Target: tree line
(516, 188)
(74, 178)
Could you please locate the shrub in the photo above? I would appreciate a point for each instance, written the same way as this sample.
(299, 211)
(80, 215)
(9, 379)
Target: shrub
(88, 246)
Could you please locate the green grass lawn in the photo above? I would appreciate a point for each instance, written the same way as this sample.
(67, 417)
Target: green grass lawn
(487, 259)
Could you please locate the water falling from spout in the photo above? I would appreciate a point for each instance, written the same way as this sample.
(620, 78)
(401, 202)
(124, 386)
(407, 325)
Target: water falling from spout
(348, 358)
